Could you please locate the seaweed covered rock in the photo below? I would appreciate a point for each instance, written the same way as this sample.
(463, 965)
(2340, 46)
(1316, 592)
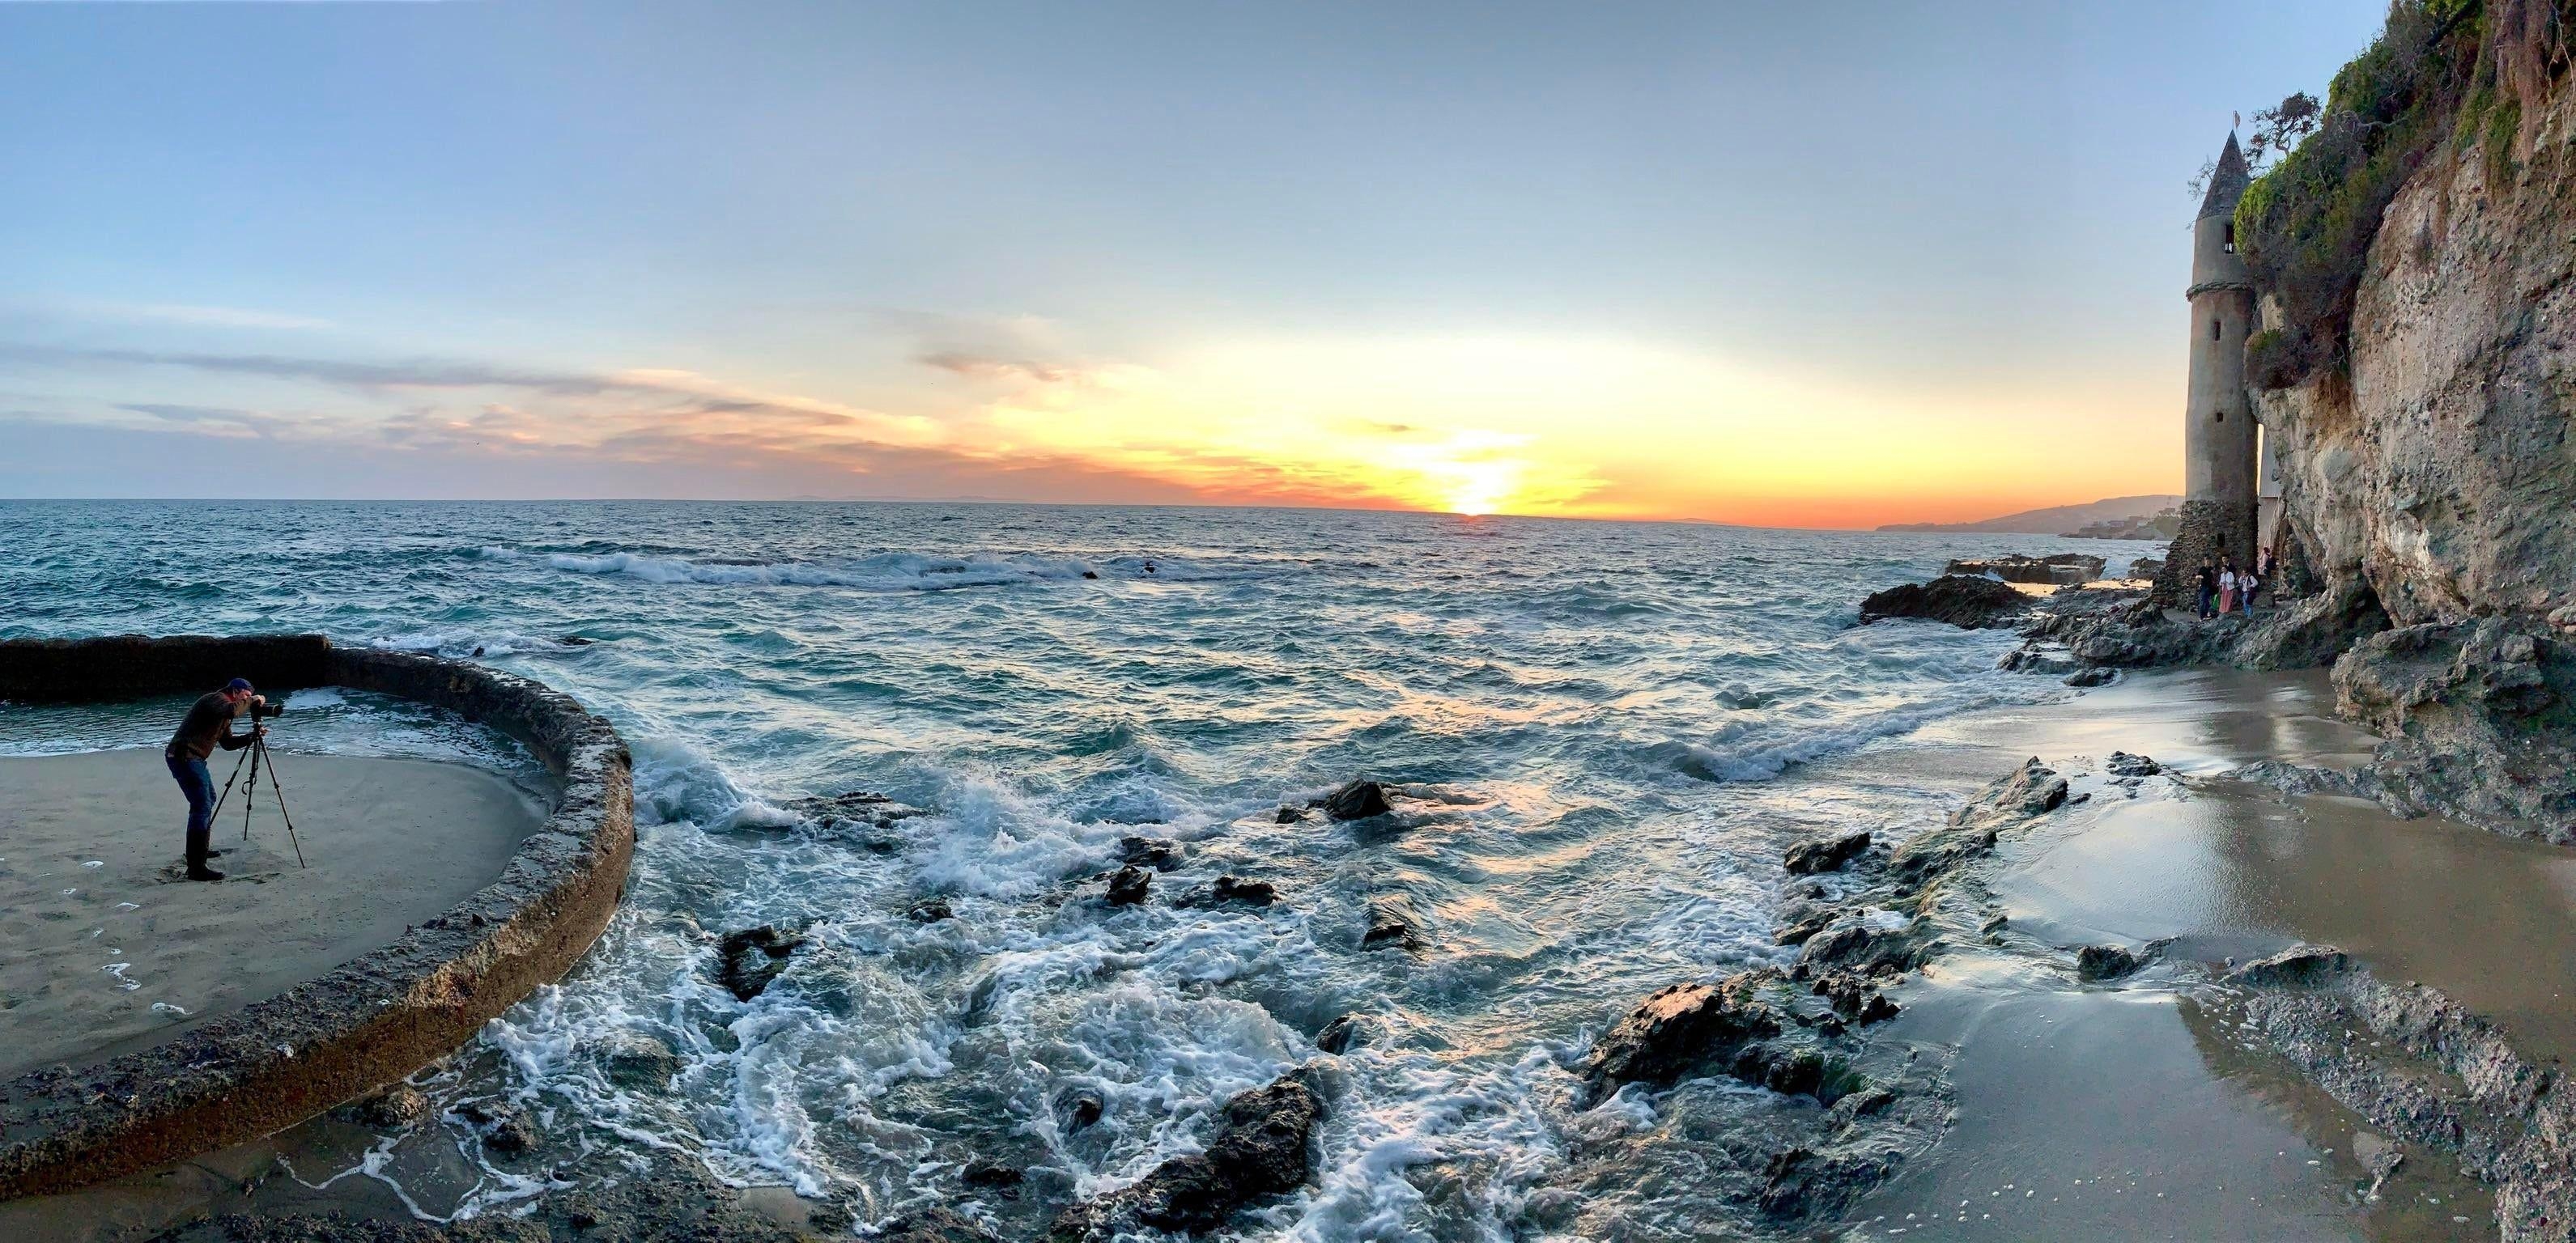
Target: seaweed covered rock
(1260, 1148)
(1966, 600)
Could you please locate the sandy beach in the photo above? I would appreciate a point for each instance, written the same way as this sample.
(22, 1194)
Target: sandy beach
(104, 948)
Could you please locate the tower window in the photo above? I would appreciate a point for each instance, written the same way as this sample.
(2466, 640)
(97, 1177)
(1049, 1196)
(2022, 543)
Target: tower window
(2228, 232)
(2214, 331)
(2222, 416)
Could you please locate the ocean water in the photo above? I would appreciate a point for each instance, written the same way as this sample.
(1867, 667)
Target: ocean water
(1597, 733)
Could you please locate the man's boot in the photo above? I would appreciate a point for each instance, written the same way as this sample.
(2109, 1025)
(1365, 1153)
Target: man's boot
(197, 870)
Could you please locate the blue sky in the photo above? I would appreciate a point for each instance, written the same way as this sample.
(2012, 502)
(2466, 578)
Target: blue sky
(1833, 263)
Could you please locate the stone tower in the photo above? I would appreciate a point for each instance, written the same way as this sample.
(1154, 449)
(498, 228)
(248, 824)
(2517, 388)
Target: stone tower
(2220, 436)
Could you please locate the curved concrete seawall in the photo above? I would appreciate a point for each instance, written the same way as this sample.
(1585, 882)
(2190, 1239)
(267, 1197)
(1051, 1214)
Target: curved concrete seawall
(369, 1021)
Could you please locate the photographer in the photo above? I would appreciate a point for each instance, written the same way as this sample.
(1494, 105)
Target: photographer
(209, 724)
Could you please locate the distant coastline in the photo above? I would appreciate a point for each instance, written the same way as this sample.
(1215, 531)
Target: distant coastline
(2118, 517)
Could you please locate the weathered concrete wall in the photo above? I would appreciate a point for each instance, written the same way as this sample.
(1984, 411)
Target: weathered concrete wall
(370, 1021)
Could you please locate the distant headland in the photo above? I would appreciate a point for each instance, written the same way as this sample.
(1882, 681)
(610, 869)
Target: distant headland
(2118, 517)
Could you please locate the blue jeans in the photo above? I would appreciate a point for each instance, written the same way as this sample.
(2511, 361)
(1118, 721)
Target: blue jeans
(199, 785)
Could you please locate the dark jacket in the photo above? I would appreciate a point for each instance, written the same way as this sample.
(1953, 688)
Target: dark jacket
(209, 724)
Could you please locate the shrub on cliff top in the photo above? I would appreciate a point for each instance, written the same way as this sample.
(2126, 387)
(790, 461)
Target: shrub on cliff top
(2307, 222)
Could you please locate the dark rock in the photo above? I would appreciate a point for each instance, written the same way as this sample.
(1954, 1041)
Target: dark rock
(399, 1105)
(2104, 962)
(1289, 815)
(638, 1062)
(1159, 853)
(865, 808)
(1851, 944)
(2030, 659)
(1357, 800)
(929, 911)
(1829, 855)
(504, 1127)
(1680, 1028)
(932, 1225)
(1127, 886)
(1260, 1148)
(2146, 567)
(1079, 1107)
(2058, 568)
(2123, 764)
(990, 1174)
(1091, 573)
(2297, 966)
(574, 640)
(1964, 600)
(1248, 892)
(1388, 926)
(2098, 675)
(1799, 1184)
(748, 960)
(1995, 923)
(1337, 1035)
(1853, 998)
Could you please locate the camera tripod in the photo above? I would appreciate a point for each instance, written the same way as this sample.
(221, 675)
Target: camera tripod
(253, 756)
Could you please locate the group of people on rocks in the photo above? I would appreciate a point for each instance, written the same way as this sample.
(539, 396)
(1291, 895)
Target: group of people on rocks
(2226, 589)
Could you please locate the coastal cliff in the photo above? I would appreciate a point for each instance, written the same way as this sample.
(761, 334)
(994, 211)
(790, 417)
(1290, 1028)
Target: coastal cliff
(2427, 470)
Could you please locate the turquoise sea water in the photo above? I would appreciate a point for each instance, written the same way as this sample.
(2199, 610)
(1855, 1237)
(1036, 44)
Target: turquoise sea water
(1596, 729)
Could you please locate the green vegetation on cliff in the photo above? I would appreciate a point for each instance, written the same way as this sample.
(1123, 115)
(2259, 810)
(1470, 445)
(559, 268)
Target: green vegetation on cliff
(2307, 222)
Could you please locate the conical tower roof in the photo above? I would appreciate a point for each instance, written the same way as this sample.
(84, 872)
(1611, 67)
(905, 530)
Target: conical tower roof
(2227, 180)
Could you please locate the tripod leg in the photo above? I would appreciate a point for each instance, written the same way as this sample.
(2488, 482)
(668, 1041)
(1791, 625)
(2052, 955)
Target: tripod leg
(250, 793)
(280, 792)
(228, 790)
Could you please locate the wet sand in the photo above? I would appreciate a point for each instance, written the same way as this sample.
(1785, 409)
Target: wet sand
(105, 948)
(2129, 1110)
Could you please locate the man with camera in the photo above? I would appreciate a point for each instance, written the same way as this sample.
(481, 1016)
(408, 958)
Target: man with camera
(209, 724)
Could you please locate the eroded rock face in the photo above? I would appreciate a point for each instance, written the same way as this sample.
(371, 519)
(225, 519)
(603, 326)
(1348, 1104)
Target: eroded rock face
(1828, 855)
(2482, 719)
(1261, 1147)
(1965, 600)
(933, 1225)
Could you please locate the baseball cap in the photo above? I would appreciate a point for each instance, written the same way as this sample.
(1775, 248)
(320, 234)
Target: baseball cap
(238, 684)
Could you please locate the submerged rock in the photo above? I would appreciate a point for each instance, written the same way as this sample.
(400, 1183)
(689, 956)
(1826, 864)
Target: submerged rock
(2297, 966)
(1337, 1035)
(932, 1225)
(929, 911)
(2098, 675)
(863, 807)
(1159, 853)
(1680, 1028)
(1964, 600)
(748, 960)
(2104, 962)
(1387, 925)
(1237, 889)
(505, 1127)
(1288, 815)
(1357, 800)
(399, 1105)
(638, 1062)
(1259, 1149)
(1127, 886)
(1829, 855)
(1079, 1107)
(992, 1174)
(2123, 764)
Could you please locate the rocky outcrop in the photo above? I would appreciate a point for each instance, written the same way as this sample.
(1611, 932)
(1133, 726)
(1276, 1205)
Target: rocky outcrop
(2479, 717)
(1260, 1148)
(2057, 568)
(1827, 855)
(1356, 800)
(1965, 600)
(1680, 1029)
(748, 960)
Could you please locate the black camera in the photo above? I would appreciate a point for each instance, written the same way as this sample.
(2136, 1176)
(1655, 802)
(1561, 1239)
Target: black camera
(267, 707)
